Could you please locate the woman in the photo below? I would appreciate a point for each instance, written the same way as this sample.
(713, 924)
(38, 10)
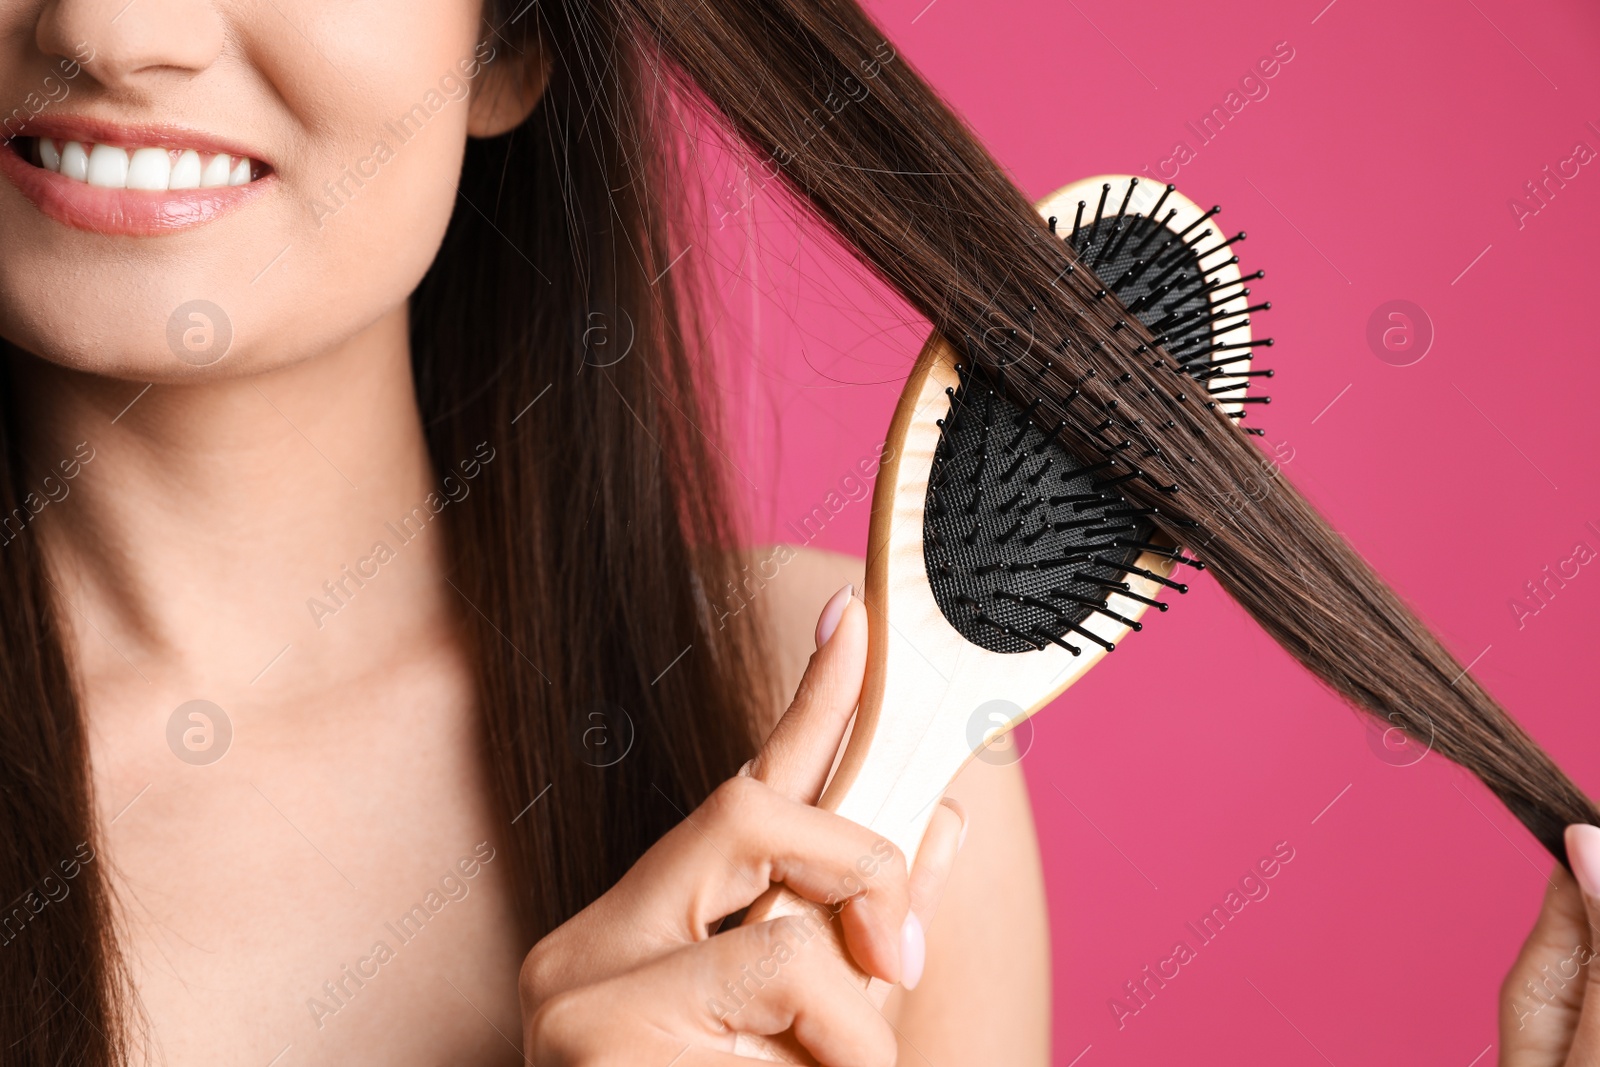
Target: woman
(371, 616)
(413, 712)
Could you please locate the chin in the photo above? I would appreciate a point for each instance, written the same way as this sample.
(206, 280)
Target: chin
(137, 344)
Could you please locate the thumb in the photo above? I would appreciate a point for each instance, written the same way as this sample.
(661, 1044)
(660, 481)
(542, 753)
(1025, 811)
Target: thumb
(799, 753)
(1583, 853)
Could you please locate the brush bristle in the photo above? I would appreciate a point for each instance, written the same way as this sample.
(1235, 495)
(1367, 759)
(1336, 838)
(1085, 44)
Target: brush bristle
(1023, 542)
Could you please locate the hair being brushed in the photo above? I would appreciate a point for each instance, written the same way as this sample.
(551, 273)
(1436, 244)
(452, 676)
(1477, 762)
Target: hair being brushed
(909, 189)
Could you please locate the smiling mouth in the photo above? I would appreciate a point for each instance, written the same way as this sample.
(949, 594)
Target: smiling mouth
(139, 168)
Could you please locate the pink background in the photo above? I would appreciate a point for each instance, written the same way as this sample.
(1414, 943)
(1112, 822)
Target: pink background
(1379, 167)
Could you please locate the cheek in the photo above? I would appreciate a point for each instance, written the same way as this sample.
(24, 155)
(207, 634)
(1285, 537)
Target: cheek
(362, 227)
(366, 205)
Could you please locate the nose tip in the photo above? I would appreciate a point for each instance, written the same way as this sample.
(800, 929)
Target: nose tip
(123, 42)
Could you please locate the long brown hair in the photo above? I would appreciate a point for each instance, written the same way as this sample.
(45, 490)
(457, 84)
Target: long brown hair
(589, 566)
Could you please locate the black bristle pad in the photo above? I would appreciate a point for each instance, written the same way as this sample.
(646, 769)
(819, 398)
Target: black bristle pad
(1000, 578)
(989, 547)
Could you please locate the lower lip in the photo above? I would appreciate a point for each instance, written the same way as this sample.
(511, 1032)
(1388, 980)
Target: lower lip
(122, 212)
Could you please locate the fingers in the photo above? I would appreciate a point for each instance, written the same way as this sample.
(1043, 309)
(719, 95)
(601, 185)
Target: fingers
(778, 975)
(764, 979)
(1583, 852)
(746, 837)
(799, 753)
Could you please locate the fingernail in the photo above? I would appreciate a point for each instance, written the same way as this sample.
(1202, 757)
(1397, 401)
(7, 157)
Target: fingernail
(833, 613)
(961, 813)
(913, 951)
(1583, 853)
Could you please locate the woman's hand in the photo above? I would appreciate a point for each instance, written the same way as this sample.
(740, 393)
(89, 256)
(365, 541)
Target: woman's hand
(642, 975)
(1550, 1001)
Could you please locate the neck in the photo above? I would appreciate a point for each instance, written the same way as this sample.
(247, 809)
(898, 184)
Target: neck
(204, 532)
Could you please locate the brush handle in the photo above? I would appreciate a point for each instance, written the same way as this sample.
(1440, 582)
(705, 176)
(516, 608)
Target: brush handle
(890, 781)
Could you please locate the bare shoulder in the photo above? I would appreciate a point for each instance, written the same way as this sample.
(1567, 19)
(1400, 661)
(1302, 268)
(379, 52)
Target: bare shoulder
(989, 944)
(789, 586)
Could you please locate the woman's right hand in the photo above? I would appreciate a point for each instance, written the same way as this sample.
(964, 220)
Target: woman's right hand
(642, 975)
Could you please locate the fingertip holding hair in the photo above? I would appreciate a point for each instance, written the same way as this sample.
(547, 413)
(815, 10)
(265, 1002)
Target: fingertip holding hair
(1583, 855)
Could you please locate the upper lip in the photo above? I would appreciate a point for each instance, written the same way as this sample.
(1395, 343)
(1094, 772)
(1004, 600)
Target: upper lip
(134, 135)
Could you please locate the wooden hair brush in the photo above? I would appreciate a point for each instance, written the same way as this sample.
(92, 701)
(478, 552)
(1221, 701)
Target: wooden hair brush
(1000, 569)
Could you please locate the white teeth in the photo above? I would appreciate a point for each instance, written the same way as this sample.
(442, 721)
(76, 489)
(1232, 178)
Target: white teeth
(149, 169)
(143, 169)
(108, 166)
(186, 172)
(216, 173)
(75, 162)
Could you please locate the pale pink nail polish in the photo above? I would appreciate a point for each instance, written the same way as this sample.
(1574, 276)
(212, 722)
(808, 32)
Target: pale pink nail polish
(833, 613)
(1583, 853)
(913, 951)
(961, 813)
